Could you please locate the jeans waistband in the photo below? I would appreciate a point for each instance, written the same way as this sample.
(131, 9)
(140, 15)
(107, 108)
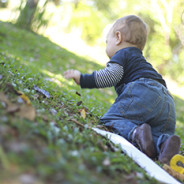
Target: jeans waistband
(147, 80)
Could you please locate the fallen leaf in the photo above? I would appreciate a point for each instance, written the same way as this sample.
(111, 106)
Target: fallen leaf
(79, 103)
(25, 98)
(20, 93)
(27, 111)
(42, 91)
(78, 93)
(83, 113)
(4, 99)
(173, 173)
(12, 108)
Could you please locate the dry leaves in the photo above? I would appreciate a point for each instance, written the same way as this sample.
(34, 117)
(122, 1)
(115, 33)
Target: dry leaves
(42, 91)
(177, 163)
(173, 173)
(79, 103)
(176, 167)
(22, 110)
(83, 113)
(27, 111)
(77, 93)
(24, 97)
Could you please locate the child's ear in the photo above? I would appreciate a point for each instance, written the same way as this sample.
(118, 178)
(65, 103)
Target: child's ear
(119, 37)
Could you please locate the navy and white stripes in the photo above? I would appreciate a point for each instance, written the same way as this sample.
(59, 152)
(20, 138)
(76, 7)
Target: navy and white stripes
(109, 76)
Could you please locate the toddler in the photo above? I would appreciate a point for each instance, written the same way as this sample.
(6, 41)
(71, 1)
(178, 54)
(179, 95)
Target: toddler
(144, 111)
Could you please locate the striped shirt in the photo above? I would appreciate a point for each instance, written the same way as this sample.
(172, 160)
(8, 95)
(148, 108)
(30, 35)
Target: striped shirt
(127, 65)
(107, 77)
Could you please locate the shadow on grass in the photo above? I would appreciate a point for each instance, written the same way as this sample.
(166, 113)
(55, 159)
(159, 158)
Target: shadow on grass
(39, 50)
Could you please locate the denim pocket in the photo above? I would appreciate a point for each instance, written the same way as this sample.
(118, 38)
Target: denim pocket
(141, 102)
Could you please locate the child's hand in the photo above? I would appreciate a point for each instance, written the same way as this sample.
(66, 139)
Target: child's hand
(73, 74)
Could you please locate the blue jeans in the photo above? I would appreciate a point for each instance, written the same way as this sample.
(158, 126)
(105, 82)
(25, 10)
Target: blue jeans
(142, 101)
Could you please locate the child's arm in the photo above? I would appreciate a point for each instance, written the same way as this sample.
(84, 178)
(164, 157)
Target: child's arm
(73, 74)
(107, 77)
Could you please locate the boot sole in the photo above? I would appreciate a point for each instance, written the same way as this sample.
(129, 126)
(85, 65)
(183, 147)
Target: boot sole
(147, 146)
(171, 148)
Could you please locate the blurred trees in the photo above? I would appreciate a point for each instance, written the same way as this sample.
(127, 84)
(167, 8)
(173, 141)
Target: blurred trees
(31, 15)
(165, 44)
(3, 3)
(165, 19)
(27, 14)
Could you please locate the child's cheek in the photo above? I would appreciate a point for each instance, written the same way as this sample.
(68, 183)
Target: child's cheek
(108, 51)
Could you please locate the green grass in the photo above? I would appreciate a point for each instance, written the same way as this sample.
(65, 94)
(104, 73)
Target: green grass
(52, 148)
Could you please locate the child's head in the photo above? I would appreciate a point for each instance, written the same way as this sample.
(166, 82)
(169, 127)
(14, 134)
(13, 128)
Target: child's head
(130, 31)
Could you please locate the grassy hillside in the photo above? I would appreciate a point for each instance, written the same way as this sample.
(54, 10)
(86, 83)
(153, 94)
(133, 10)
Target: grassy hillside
(40, 135)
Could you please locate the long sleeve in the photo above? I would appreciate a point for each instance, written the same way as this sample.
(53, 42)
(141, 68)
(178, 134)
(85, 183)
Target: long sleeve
(107, 77)
(88, 81)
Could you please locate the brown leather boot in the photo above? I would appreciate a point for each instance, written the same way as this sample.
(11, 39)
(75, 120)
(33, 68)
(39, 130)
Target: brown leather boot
(142, 136)
(169, 148)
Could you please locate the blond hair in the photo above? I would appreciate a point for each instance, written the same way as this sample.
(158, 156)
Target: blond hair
(133, 29)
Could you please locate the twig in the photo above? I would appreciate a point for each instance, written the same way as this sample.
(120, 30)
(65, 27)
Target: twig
(77, 122)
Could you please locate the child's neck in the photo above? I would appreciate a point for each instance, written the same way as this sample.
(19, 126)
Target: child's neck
(126, 44)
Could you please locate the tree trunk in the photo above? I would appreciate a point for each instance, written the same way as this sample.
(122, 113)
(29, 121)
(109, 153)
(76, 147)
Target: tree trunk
(26, 15)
